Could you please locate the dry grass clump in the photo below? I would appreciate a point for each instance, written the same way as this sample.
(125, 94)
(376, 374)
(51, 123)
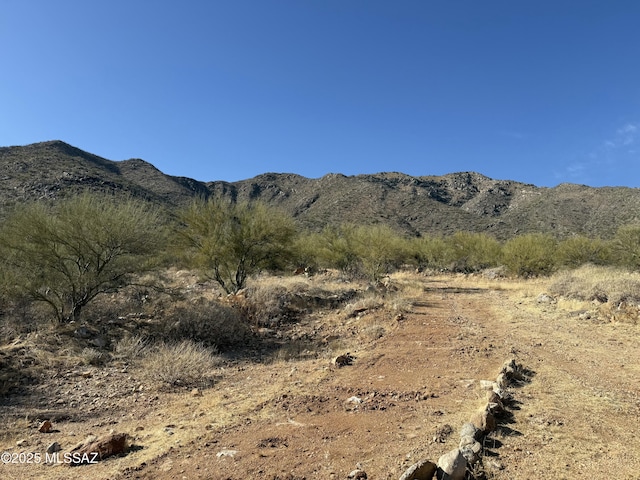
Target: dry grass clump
(616, 292)
(362, 305)
(273, 301)
(130, 347)
(602, 284)
(184, 364)
(94, 356)
(204, 321)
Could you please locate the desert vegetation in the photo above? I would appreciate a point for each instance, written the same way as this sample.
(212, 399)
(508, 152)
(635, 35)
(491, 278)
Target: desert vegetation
(62, 256)
(166, 300)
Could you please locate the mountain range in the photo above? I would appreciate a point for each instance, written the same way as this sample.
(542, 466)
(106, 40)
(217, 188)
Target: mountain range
(436, 205)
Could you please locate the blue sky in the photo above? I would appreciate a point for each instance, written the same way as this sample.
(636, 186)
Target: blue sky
(542, 92)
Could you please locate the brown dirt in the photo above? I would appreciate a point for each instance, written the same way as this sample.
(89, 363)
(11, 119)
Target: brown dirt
(577, 417)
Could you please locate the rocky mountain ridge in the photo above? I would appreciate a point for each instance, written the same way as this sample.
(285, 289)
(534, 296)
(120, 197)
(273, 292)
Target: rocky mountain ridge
(415, 205)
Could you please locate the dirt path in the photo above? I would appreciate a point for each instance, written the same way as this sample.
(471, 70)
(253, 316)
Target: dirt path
(404, 399)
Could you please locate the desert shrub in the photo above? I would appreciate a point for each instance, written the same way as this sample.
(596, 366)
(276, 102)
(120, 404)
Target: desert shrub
(65, 255)
(334, 248)
(184, 364)
(228, 242)
(530, 255)
(272, 301)
(471, 252)
(206, 322)
(130, 347)
(578, 250)
(429, 252)
(94, 356)
(379, 249)
(626, 246)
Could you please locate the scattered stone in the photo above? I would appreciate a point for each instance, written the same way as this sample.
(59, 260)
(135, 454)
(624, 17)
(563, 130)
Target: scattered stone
(343, 360)
(502, 381)
(227, 453)
(45, 427)
(471, 449)
(484, 420)
(357, 475)
(451, 466)
(101, 448)
(470, 430)
(22, 442)
(423, 470)
(487, 384)
(442, 433)
(196, 392)
(54, 447)
(545, 299)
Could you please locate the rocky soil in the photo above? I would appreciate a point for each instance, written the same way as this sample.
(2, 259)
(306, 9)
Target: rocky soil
(403, 398)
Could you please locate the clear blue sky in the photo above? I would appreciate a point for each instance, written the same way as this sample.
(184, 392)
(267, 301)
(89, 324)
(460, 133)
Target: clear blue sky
(543, 92)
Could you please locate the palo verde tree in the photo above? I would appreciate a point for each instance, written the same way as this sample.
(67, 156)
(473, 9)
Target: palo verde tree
(65, 254)
(530, 255)
(229, 242)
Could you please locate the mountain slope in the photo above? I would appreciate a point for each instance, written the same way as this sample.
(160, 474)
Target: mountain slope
(413, 205)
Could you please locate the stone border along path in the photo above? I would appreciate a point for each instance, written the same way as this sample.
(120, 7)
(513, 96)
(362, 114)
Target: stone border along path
(466, 460)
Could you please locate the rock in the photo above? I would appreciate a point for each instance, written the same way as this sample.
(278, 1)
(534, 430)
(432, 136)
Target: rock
(113, 444)
(484, 420)
(470, 430)
(423, 470)
(54, 447)
(226, 453)
(196, 392)
(45, 427)
(22, 442)
(471, 449)
(545, 299)
(451, 466)
(343, 360)
(495, 465)
(487, 384)
(357, 475)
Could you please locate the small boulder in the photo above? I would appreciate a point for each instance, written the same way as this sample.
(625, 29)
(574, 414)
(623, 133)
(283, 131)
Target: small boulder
(452, 466)
(484, 420)
(107, 446)
(470, 430)
(45, 427)
(343, 360)
(471, 449)
(357, 475)
(54, 447)
(423, 470)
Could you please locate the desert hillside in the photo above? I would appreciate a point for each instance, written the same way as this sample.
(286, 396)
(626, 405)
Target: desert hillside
(413, 205)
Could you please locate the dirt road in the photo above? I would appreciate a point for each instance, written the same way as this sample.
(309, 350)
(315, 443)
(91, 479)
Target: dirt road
(403, 399)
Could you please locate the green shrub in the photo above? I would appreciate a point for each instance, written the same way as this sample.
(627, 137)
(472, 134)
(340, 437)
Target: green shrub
(429, 252)
(471, 252)
(66, 254)
(530, 255)
(228, 242)
(626, 246)
(578, 250)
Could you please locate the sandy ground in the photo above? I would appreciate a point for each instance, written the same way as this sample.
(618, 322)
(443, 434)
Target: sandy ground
(403, 399)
